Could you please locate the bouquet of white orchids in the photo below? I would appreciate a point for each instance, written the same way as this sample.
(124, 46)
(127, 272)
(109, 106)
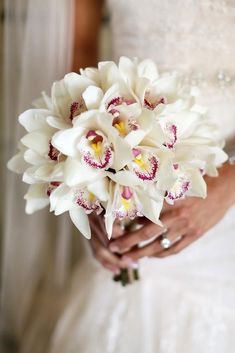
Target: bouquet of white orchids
(119, 139)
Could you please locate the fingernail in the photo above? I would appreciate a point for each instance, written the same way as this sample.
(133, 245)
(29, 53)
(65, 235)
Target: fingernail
(127, 261)
(117, 272)
(113, 248)
(134, 265)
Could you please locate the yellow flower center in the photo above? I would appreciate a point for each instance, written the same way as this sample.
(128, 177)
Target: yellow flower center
(120, 126)
(126, 203)
(140, 162)
(91, 197)
(97, 147)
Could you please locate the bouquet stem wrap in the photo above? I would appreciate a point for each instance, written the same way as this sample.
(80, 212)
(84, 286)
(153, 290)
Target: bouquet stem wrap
(129, 275)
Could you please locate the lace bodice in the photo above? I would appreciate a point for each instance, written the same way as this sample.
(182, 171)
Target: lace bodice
(195, 37)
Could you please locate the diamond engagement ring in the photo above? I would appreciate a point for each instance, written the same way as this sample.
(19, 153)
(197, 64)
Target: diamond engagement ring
(165, 242)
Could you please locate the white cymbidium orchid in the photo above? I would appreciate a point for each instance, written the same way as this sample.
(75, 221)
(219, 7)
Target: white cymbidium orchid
(128, 199)
(145, 163)
(39, 159)
(127, 116)
(127, 70)
(80, 202)
(95, 142)
(133, 71)
(178, 127)
(182, 179)
(204, 157)
(67, 100)
(167, 89)
(154, 91)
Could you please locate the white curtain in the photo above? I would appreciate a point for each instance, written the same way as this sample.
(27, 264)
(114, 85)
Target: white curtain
(37, 50)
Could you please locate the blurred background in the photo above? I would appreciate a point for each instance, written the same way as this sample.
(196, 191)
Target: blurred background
(37, 252)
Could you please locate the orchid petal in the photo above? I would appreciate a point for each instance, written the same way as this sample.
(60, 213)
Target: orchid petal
(17, 163)
(87, 120)
(58, 123)
(76, 84)
(29, 176)
(100, 189)
(77, 173)
(109, 74)
(186, 122)
(166, 86)
(36, 198)
(33, 158)
(150, 208)
(66, 141)
(44, 102)
(147, 68)
(35, 119)
(123, 153)
(198, 185)
(57, 195)
(126, 178)
(128, 70)
(92, 73)
(37, 141)
(219, 155)
(50, 172)
(80, 220)
(92, 96)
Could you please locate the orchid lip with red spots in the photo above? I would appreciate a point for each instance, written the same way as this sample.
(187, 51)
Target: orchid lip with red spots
(118, 101)
(88, 202)
(96, 150)
(145, 165)
(151, 104)
(179, 190)
(52, 186)
(101, 164)
(171, 131)
(127, 205)
(77, 108)
(53, 153)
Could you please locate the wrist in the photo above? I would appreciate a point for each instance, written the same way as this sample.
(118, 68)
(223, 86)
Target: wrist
(227, 172)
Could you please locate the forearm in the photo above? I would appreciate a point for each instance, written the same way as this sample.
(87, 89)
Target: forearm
(87, 21)
(231, 172)
(84, 57)
(227, 177)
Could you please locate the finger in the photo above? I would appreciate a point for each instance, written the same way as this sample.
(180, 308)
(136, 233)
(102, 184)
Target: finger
(102, 255)
(177, 247)
(136, 253)
(118, 230)
(98, 231)
(128, 240)
(111, 268)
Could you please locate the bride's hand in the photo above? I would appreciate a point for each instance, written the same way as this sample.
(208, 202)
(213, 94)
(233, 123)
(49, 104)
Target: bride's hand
(99, 244)
(189, 219)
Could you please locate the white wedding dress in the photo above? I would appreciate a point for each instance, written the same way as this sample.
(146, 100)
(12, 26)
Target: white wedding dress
(184, 303)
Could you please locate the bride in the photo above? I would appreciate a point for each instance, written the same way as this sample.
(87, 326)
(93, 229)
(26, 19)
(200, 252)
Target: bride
(184, 301)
